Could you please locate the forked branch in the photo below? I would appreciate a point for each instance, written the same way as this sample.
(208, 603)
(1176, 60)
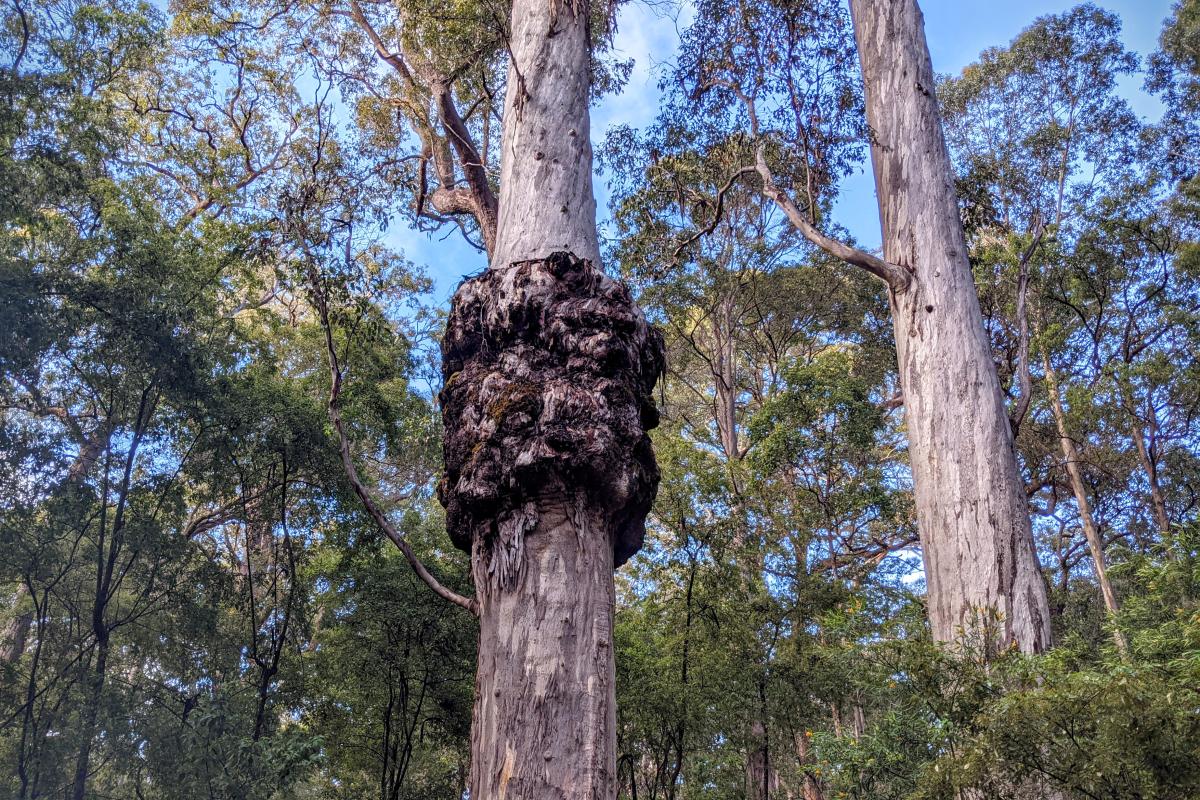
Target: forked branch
(717, 212)
(895, 276)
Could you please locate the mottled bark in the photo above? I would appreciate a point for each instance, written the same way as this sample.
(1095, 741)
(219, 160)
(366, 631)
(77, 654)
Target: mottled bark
(546, 200)
(980, 561)
(549, 369)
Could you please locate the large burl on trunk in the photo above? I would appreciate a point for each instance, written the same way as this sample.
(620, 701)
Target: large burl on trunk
(549, 370)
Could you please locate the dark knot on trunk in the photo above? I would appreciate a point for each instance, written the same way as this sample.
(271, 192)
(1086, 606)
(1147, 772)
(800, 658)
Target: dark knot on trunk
(549, 370)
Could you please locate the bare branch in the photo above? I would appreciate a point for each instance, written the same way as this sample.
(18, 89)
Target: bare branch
(893, 402)
(1024, 381)
(716, 219)
(895, 276)
(394, 60)
(360, 489)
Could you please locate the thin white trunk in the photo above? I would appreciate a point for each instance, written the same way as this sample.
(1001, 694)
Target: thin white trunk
(980, 563)
(1091, 531)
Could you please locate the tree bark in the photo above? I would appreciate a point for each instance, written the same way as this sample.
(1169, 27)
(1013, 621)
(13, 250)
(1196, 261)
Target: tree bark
(812, 785)
(544, 724)
(1158, 505)
(758, 764)
(549, 370)
(16, 632)
(981, 568)
(546, 200)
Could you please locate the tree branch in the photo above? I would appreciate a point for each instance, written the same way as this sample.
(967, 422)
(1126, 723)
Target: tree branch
(360, 489)
(483, 205)
(716, 219)
(895, 276)
(1024, 381)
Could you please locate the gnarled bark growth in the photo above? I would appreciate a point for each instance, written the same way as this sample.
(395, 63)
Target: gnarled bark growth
(549, 369)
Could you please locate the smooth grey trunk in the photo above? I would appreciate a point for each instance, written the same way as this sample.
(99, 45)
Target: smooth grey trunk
(549, 370)
(981, 567)
(1091, 531)
(546, 200)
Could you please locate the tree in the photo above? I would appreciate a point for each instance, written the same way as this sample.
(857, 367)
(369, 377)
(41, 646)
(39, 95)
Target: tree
(979, 552)
(1032, 166)
(802, 115)
(775, 449)
(548, 369)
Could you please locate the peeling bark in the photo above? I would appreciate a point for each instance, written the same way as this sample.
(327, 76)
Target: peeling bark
(544, 724)
(981, 567)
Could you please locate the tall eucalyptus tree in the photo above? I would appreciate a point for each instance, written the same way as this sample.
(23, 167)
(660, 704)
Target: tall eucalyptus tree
(784, 74)
(549, 368)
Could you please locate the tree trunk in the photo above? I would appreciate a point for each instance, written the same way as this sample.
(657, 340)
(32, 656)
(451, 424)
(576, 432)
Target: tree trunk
(981, 568)
(545, 711)
(1158, 505)
(16, 632)
(812, 785)
(1090, 531)
(91, 713)
(549, 370)
(546, 200)
(758, 766)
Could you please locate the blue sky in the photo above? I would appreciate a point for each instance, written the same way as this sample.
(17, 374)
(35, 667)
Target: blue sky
(957, 31)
